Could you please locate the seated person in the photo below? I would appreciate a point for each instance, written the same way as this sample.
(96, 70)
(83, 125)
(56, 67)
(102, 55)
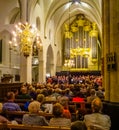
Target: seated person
(97, 120)
(33, 118)
(66, 111)
(50, 96)
(41, 98)
(91, 96)
(100, 92)
(24, 94)
(4, 119)
(10, 105)
(58, 119)
(44, 106)
(78, 125)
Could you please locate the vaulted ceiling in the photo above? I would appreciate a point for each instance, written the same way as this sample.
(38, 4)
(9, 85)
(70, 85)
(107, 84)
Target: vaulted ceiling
(60, 10)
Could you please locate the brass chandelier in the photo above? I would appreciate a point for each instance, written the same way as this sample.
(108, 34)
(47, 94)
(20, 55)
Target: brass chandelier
(25, 38)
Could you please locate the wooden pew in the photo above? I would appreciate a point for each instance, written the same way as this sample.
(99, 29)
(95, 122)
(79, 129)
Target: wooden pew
(18, 115)
(4, 126)
(21, 113)
(6, 87)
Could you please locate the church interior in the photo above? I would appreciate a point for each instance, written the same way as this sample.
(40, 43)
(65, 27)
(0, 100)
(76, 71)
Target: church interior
(44, 38)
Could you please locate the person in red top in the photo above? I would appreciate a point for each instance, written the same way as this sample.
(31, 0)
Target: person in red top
(66, 112)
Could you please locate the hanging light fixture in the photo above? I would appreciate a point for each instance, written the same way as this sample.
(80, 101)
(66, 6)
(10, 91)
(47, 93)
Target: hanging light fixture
(23, 38)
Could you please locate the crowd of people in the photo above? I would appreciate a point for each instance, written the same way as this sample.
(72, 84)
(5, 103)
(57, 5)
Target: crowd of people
(54, 96)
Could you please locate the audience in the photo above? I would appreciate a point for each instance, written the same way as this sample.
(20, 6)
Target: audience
(58, 119)
(55, 97)
(78, 125)
(91, 96)
(24, 94)
(3, 119)
(97, 120)
(100, 92)
(66, 111)
(41, 98)
(10, 105)
(50, 97)
(32, 118)
(32, 92)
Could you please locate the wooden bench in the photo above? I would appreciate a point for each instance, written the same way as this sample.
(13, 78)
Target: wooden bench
(18, 115)
(4, 126)
(6, 87)
(21, 113)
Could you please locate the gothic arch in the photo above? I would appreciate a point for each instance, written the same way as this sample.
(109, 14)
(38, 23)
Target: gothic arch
(14, 15)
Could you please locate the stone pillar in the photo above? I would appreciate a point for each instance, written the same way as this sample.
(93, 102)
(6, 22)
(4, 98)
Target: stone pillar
(25, 63)
(41, 72)
(52, 69)
(26, 69)
(105, 45)
(42, 67)
(110, 24)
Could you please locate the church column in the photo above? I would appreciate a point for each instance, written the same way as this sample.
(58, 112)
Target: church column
(111, 49)
(52, 69)
(105, 45)
(25, 63)
(41, 72)
(42, 67)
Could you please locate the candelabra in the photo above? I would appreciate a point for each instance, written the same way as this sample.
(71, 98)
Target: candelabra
(25, 38)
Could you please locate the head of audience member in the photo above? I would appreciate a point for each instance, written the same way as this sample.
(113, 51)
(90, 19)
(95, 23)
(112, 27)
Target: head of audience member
(38, 91)
(40, 98)
(57, 90)
(57, 110)
(50, 91)
(24, 90)
(96, 105)
(44, 92)
(92, 92)
(64, 103)
(10, 96)
(34, 107)
(78, 125)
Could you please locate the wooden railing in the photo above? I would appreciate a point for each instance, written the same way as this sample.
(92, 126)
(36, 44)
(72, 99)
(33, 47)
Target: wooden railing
(4, 126)
(18, 115)
(21, 113)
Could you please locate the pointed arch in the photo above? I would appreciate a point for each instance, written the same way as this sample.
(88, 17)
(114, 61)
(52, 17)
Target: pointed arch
(14, 15)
